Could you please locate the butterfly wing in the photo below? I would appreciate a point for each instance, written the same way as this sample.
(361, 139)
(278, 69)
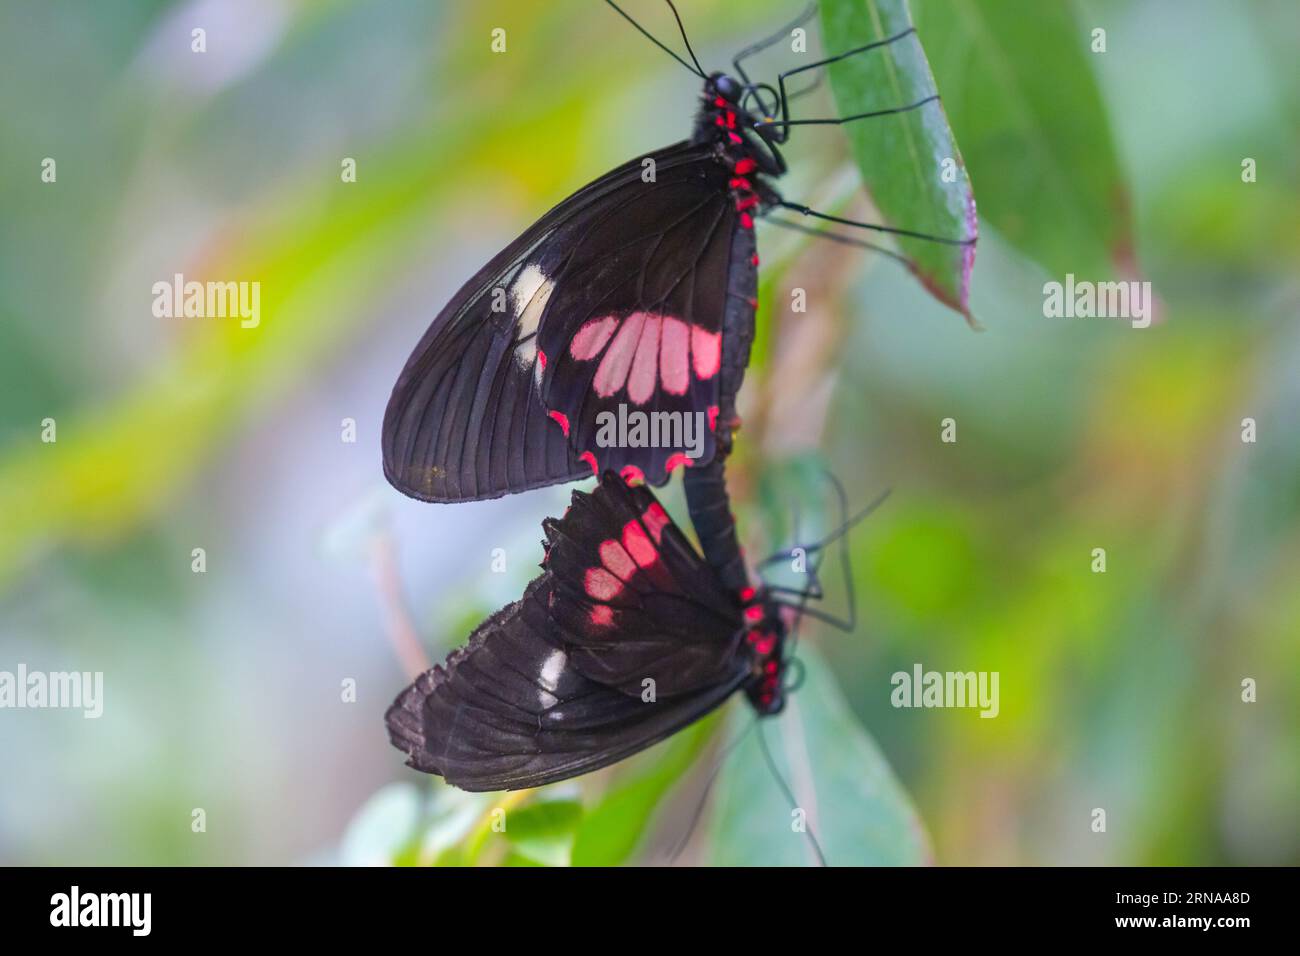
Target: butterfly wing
(549, 688)
(616, 296)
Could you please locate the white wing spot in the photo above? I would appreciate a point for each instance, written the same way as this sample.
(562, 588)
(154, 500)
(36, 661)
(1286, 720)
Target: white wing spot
(549, 678)
(529, 294)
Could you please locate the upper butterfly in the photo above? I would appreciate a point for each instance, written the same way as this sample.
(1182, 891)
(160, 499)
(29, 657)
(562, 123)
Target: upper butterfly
(638, 290)
(627, 637)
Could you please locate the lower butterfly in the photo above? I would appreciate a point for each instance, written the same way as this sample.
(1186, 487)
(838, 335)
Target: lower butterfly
(626, 637)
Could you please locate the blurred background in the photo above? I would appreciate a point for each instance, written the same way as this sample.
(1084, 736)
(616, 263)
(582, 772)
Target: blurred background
(226, 690)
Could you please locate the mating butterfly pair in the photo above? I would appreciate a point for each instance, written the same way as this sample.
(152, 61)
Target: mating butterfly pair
(625, 638)
(637, 290)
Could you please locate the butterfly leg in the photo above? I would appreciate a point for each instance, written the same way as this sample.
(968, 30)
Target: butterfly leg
(875, 227)
(838, 238)
(785, 97)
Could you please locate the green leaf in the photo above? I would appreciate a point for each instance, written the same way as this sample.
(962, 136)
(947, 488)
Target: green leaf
(611, 830)
(1038, 144)
(543, 832)
(384, 827)
(853, 803)
(904, 158)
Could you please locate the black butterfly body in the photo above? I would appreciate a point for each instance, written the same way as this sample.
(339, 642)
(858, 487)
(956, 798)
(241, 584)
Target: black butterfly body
(639, 289)
(626, 637)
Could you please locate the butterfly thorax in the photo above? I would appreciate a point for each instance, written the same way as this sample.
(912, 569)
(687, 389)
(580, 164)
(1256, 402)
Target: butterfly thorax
(765, 637)
(728, 127)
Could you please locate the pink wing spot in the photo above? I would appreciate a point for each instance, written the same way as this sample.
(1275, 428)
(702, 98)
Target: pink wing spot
(615, 557)
(706, 352)
(713, 419)
(602, 585)
(602, 615)
(674, 356)
(676, 461)
(562, 420)
(633, 475)
(645, 366)
(613, 369)
(591, 338)
(656, 519)
(590, 459)
(638, 544)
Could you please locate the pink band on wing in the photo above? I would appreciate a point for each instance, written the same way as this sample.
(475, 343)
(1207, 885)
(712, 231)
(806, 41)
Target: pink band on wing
(656, 519)
(562, 419)
(617, 361)
(706, 352)
(616, 559)
(591, 338)
(645, 366)
(675, 356)
(638, 544)
(590, 459)
(602, 585)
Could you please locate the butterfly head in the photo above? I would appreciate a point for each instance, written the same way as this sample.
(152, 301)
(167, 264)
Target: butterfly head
(728, 87)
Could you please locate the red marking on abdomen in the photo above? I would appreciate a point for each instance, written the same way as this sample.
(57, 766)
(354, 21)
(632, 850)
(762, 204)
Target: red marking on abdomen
(706, 352)
(746, 165)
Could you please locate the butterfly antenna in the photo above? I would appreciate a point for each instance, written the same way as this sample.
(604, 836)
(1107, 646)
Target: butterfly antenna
(696, 69)
(768, 41)
(726, 752)
(681, 28)
(789, 795)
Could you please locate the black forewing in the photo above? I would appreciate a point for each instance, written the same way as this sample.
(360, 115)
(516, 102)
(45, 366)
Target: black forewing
(529, 700)
(477, 412)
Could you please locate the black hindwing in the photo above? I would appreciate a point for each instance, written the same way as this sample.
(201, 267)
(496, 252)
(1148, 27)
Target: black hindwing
(624, 639)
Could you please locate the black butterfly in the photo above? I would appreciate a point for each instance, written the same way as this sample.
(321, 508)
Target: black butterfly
(638, 290)
(626, 637)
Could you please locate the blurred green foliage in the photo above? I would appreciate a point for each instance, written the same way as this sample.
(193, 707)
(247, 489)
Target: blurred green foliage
(1119, 690)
